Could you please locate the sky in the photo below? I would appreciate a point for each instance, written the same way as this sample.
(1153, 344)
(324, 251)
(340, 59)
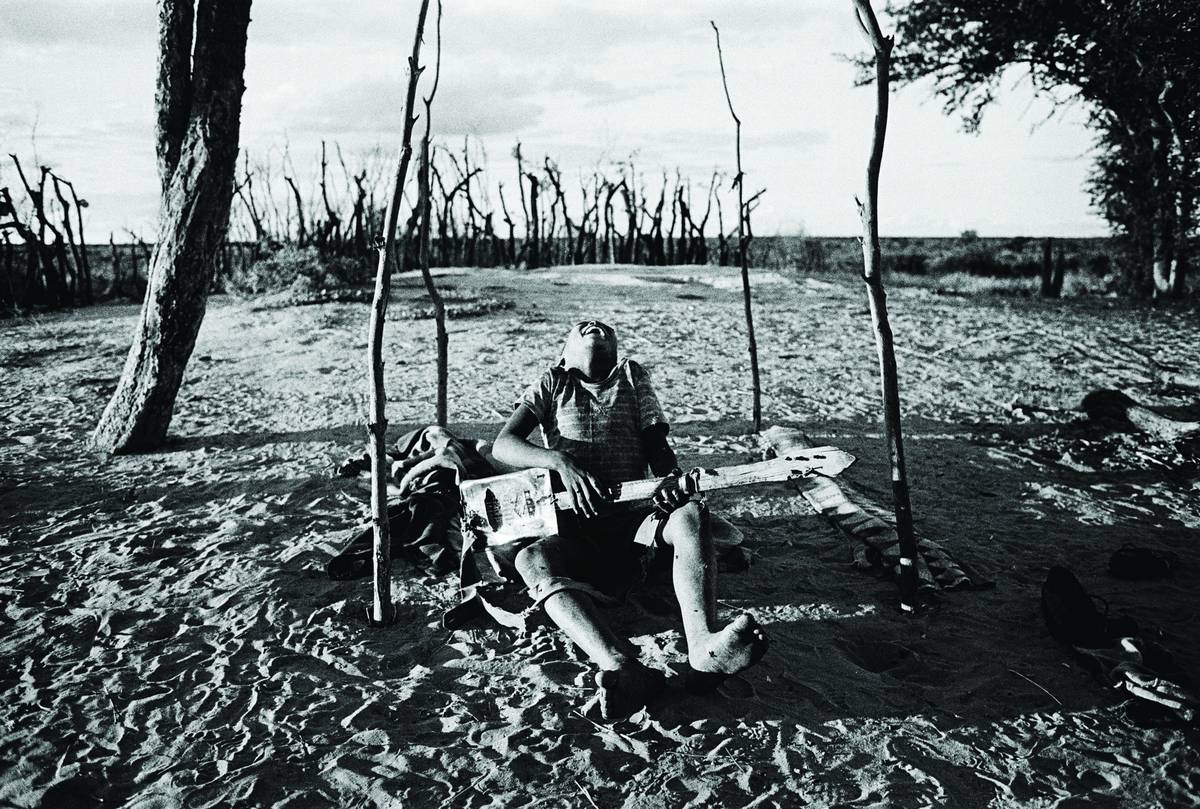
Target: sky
(587, 83)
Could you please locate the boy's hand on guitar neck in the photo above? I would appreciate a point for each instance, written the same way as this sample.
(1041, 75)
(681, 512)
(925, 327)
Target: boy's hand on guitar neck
(671, 494)
(585, 492)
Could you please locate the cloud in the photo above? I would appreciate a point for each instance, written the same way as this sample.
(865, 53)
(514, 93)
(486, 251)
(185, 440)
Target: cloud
(102, 23)
(489, 106)
(593, 90)
(722, 142)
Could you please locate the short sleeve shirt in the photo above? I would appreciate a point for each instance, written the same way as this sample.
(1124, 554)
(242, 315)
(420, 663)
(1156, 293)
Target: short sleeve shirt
(599, 423)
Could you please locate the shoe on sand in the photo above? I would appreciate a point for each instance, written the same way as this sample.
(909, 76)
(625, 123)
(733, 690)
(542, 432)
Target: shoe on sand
(625, 691)
(1134, 562)
(1072, 617)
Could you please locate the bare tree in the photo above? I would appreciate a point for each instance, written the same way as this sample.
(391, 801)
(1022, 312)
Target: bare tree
(75, 237)
(510, 256)
(743, 244)
(199, 101)
(868, 210)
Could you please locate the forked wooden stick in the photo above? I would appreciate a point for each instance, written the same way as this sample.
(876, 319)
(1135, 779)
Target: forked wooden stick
(743, 244)
(426, 207)
(382, 611)
(869, 213)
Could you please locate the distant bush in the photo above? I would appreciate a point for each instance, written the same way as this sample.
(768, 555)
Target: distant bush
(978, 258)
(811, 256)
(1099, 264)
(908, 263)
(300, 270)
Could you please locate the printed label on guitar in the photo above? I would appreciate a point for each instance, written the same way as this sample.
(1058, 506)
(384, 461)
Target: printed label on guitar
(509, 507)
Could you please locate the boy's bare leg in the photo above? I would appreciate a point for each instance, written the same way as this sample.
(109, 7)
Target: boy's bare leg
(576, 615)
(625, 684)
(723, 651)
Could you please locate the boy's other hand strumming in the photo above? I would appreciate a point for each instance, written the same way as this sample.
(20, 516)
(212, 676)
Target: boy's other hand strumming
(585, 492)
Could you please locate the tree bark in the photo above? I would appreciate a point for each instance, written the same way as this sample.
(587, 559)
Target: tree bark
(196, 164)
(877, 299)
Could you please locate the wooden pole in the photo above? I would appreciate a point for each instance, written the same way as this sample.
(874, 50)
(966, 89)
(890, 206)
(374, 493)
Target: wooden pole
(382, 611)
(869, 213)
(743, 245)
(425, 203)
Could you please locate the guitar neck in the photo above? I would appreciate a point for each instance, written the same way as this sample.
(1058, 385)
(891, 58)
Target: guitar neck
(822, 460)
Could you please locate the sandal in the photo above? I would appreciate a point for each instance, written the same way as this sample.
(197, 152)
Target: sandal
(1072, 616)
(1134, 562)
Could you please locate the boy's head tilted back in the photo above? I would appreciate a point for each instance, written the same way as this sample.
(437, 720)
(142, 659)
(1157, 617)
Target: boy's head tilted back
(591, 349)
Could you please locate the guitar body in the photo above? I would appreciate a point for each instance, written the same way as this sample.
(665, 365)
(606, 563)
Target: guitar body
(522, 505)
(507, 508)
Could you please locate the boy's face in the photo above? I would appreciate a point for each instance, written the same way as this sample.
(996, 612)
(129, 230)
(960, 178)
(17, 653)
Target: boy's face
(591, 347)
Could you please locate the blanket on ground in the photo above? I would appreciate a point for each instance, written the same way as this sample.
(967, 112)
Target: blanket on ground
(427, 465)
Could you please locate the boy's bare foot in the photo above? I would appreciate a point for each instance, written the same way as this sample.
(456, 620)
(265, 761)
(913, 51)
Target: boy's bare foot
(735, 648)
(626, 690)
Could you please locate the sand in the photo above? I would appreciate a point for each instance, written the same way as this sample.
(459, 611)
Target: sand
(169, 638)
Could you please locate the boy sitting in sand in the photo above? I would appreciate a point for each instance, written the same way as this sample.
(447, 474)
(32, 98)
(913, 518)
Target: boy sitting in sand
(602, 425)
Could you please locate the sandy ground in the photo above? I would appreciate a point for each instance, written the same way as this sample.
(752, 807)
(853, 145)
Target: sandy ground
(169, 638)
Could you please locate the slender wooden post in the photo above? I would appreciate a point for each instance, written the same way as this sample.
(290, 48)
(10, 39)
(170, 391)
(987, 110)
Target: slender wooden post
(382, 611)
(425, 203)
(869, 213)
(743, 245)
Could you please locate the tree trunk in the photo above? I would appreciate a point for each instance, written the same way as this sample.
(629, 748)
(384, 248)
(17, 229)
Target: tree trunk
(197, 156)
(1060, 268)
(115, 257)
(1047, 288)
(9, 298)
(1179, 270)
(533, 227)
(1162, 233)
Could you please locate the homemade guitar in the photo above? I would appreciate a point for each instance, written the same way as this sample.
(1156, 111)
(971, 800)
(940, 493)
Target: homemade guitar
(522, 505)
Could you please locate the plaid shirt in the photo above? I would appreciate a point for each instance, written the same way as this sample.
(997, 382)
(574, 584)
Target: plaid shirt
(601, 423)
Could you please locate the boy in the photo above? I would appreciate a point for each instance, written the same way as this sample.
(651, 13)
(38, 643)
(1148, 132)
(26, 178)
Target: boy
(602, 425)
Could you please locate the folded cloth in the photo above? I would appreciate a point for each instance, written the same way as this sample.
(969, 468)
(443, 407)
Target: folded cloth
(423, 521)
